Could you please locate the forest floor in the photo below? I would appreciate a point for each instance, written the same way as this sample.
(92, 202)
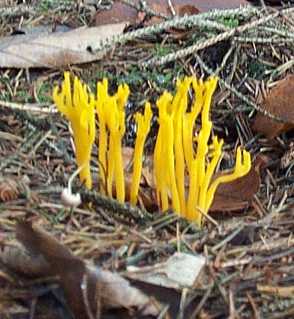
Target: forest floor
(248, 243)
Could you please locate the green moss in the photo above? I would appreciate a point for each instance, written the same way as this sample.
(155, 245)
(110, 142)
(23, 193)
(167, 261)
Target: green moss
(229, 22)
(44, 92)
(161, 50)
(23, 96)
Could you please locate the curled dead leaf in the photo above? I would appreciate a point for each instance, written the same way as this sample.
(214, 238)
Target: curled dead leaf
(12, 187)
(20, 262)
(237, 194)
(280, 103)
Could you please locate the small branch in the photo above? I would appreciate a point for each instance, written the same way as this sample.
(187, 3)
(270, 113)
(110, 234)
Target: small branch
(238, 94)
(211, 41)
(176, 22)
(114, 206)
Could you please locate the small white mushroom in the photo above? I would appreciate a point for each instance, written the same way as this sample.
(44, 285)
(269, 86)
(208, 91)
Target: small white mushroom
(70, 199)
(67, 197)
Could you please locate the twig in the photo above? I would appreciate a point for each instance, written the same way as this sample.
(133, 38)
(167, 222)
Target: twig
(171, 7)
(227, 239)
(201, 303)
(211, 41)
(19, 10)
(114, 206)
(174, 23)
(238, 94)
(39, 108)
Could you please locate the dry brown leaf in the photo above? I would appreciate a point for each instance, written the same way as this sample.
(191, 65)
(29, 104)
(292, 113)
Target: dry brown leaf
(118, 13)
(237, 194)
(56, 49)
(279, 102)
(20, 262)
(123, 12)
(187, 9)
(12, 187)
(84, 285)
(181, 8)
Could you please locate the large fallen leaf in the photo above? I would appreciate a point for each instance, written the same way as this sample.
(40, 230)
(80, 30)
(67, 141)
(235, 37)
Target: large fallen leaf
(279, 102)
(85, 286)
(120, 11)
(56, 49)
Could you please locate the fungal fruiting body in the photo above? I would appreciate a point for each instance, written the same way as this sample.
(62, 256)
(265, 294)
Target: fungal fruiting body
(191, 155)
(77, 104)
(143, 126)
(111, 126)
(186, 153)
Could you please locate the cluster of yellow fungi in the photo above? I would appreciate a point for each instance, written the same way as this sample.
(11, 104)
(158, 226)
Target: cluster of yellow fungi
(185, 158)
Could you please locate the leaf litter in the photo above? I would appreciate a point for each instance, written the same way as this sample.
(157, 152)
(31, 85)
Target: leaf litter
(278, 102)
(55, 49)
(249, 249)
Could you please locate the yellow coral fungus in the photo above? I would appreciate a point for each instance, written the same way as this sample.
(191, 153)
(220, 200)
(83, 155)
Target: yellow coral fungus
(111, 115)
(179, 107)
(77, 104)
(143, 127)
(102, 94)
(186, 153)
(121, 99)
(200, 162)
(160, 172)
